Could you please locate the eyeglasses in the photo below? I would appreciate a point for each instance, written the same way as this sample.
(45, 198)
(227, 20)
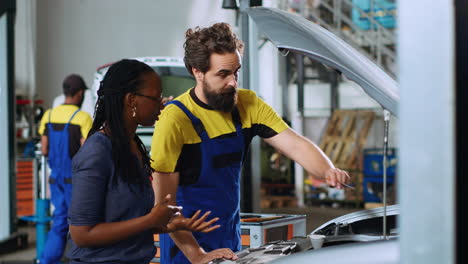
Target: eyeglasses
(154, 98)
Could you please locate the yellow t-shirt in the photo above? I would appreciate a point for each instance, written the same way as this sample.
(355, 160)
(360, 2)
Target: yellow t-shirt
(176, 145)
(78, 128)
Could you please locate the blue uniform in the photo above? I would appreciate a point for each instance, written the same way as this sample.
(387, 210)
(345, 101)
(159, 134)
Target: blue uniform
(206, 148)
(60, 190)
(100, 196)
(218, 185)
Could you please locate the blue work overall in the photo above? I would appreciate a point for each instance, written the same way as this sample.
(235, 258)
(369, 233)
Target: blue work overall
(60, 191)
(216, 190)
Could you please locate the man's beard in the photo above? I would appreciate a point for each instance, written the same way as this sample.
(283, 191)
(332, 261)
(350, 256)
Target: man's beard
(224, 101)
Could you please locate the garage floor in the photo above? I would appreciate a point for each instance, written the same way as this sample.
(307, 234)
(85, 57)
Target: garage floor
(315, 217)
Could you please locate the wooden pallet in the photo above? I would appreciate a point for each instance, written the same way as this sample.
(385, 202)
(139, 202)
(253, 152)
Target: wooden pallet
(345, 136)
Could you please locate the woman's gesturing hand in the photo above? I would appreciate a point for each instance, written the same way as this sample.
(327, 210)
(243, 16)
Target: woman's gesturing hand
(162, 212)
(193, 224)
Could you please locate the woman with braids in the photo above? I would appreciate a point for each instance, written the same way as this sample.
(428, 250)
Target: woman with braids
(112, 215)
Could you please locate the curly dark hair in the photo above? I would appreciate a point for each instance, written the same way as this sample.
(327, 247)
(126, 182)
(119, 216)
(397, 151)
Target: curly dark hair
(200, 43)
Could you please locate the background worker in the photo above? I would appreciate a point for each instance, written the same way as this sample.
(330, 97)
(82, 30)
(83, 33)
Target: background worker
(63, 130)
(202, 138)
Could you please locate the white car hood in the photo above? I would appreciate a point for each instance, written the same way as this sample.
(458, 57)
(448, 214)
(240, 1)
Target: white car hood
(289, 31)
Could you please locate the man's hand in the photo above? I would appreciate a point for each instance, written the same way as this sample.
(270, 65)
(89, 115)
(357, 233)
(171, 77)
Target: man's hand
(336, 177)
(193, 224)
(225, 253)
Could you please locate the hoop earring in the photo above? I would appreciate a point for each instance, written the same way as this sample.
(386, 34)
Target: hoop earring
(134, 111)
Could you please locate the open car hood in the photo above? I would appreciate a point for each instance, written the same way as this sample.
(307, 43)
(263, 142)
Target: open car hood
(361, 226)
(289, 31)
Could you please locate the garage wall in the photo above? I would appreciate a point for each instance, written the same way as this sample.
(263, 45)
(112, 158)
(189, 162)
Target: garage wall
(80, 35)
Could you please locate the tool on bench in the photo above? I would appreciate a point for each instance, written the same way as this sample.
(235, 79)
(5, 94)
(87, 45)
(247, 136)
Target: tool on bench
(261, 219)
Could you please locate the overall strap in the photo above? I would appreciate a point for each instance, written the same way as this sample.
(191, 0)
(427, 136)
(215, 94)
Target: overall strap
(197, 124)
(68, 123)
(76, 112)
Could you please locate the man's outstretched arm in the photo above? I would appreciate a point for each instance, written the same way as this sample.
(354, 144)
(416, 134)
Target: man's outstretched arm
(309, 156)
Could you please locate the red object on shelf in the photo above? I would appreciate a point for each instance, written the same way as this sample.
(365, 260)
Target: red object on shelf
(27, 101)
(25, 187)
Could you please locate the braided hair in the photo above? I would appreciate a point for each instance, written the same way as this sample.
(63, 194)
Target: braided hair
(123, 77)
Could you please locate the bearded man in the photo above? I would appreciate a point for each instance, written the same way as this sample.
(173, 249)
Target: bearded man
(202, 138)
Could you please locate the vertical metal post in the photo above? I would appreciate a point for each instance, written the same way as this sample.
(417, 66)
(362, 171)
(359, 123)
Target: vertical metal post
(42, 210)
(284, 67)
(334, 92)
(255, 145)
(43, 177)
(300, 83)
(385, 149)
(245, 78)
(7, 110)
(461, 95)
(298, 124)
(247, 177)
(427, 145)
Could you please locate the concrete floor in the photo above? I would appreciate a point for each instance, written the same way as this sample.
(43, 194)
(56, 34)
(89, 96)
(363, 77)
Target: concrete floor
(26, 255)
(315, 217)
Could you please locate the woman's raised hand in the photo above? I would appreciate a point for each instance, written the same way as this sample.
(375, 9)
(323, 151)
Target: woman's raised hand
(193, 224)
(162, 212)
